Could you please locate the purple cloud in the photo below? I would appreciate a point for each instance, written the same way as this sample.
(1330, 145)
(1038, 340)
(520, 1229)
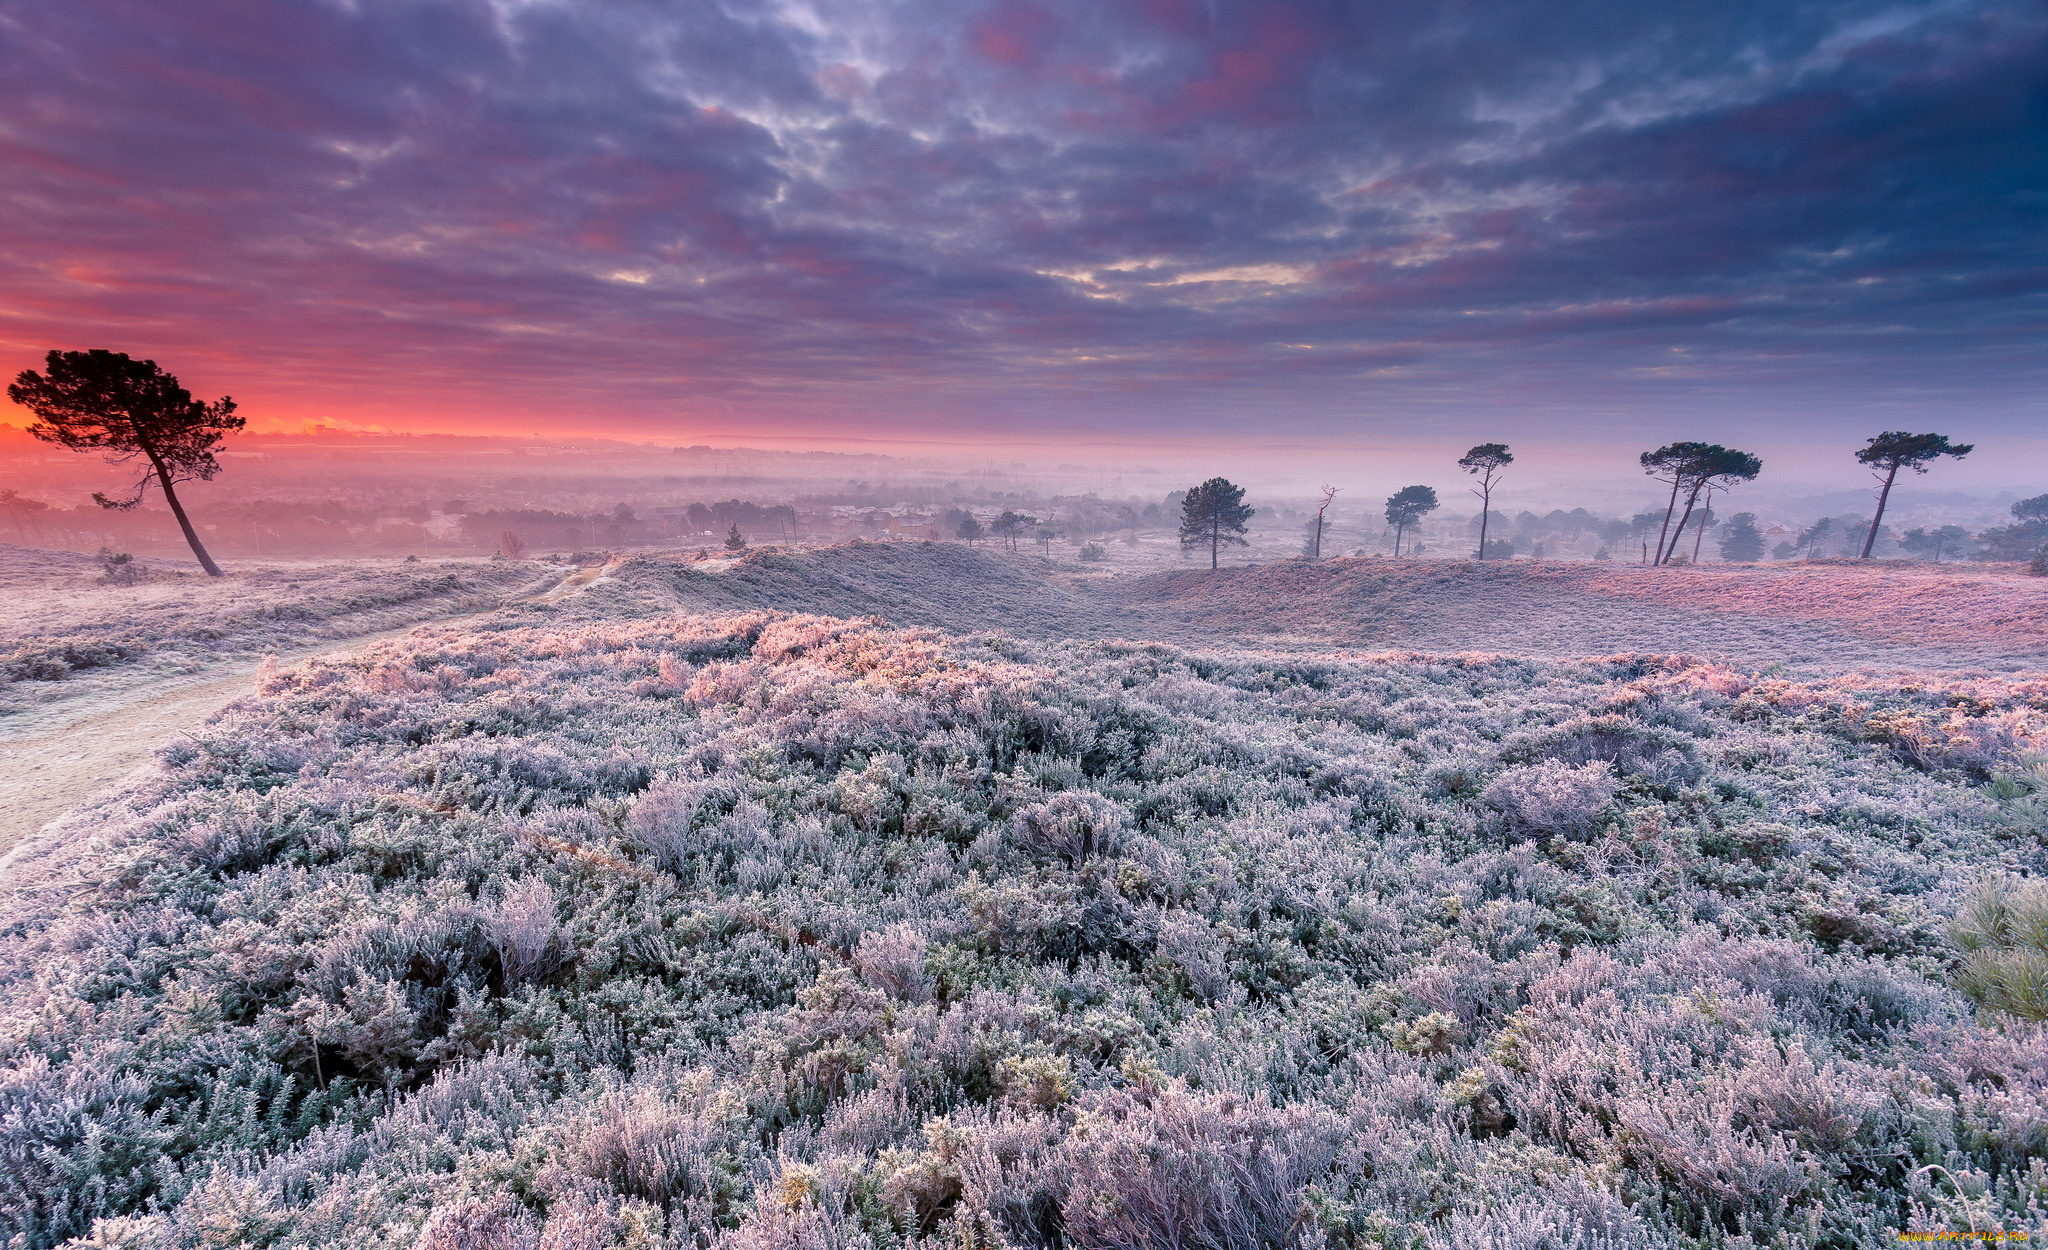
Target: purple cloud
(937, 216)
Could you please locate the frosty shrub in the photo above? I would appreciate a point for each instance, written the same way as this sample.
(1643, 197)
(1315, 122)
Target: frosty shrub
(524, 933)
(1071, 827)
(496, 1223)
(600, 926)
(2003, 934)
(893, 961)
(1162, 1167)
(1553, 797)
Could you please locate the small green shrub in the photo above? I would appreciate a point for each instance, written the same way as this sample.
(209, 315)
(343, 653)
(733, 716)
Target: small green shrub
(2003, 932)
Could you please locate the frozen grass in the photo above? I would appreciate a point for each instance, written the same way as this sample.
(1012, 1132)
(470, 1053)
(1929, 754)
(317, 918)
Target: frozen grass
(756, 931)
(1956, 604)
(1811, 619)
(943, 585)
(60, 621)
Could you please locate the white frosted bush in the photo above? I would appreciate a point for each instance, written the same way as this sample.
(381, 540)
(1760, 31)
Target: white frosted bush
(524, 932)
(1190, 945)
(1171, 1167)
(1553, 797)
(673, 1140)
(892, 960)
(495, 1223)
(1071, 826)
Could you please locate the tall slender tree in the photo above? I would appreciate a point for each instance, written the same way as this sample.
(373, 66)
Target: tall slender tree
(1214, 514)
(1485, 463)
(1673, 463)
(1706, 522)
(103, 401)
(1694, 469)
(1406, 507)
(1894, 450)
(1329, 493)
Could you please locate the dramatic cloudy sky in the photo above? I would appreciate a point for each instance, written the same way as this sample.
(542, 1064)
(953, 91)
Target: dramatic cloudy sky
(950, 219)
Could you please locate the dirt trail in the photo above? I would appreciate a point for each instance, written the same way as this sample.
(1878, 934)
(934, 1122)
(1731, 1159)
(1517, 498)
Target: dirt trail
(46, 773)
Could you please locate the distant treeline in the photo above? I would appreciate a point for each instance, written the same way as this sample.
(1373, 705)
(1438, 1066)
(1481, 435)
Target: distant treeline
(753, 519)
(280, 527)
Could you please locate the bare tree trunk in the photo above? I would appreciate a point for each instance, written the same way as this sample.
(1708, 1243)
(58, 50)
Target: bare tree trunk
(1870, 539)
(1671, 506)
(1701, 531)
(1664, 555)
(1329, 493)
(1485, 514)
(163, 477)
(1215, 542)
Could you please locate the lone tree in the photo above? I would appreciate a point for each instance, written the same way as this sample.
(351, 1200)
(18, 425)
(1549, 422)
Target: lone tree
(1406, 507)
(1316, 545)
(1485, 462)
(1813, 534)
(734, 540)
(1214, 513)
(1743, 543)
(511, 545)
(969, 530)
(101, 400)
(1894, 450)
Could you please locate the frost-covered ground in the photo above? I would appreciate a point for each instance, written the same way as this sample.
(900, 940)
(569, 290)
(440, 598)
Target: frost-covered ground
(779, 931)
(67, 633)
(1809, 619)
(661, 914)
(1812, 617)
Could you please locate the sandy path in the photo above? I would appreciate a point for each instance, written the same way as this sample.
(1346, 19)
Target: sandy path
(46, 773)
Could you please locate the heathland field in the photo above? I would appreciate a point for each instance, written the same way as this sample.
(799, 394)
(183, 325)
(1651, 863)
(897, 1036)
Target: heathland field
(1810, 618)
(1360, 904)
(67, 628)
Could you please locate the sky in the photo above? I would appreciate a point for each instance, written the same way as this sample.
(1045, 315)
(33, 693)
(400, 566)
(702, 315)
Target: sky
(1099, 226)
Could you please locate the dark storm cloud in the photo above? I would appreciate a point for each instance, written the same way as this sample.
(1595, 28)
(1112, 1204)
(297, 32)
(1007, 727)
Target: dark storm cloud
(1074, 211)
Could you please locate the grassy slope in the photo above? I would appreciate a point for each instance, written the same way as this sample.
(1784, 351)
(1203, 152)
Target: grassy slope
(58, 617)
(1811, 618)
(943, 585)
(1964, 604)
(1814, 617)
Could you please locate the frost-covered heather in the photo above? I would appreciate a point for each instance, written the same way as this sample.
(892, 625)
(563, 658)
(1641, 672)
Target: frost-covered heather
(764, 931)
(58, 615)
